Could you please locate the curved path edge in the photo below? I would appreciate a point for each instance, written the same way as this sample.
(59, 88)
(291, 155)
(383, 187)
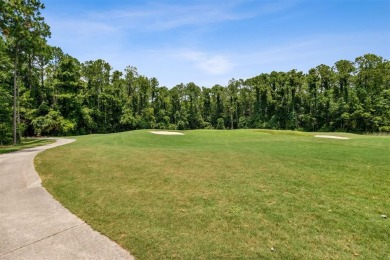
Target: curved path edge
(33, 225)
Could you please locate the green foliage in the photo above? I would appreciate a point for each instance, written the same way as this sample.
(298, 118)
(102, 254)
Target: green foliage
(5, 116)
(128, 120)
(88, 98)
(24, 32)
(181, 125)
(52, 123)
(220, 123)
(243, 122)
(5, 134)
(384, 129)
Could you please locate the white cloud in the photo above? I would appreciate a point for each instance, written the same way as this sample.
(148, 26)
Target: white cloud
(216, 65)
(210, 64)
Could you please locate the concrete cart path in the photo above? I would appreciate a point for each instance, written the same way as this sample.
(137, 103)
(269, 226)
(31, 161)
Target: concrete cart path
(33, 225)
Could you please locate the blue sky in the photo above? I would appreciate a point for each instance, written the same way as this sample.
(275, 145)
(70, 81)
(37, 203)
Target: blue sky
(211, 42)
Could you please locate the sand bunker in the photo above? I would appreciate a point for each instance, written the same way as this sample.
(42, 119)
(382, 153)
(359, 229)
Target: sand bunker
(331, 136)
(165, 133)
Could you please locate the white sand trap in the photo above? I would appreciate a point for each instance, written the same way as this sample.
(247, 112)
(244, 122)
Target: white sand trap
(165, 133)
(331, 136)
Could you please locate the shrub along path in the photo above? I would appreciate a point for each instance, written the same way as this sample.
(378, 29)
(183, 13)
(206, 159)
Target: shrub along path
(33, 225)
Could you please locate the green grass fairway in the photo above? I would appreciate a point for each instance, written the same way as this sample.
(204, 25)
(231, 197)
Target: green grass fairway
(26, 143)
(229, 194)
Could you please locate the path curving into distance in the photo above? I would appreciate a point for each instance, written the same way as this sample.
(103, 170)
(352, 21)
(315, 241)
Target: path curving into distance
(33, 225)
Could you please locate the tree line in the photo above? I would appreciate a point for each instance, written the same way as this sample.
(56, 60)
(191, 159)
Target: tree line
(44, 91)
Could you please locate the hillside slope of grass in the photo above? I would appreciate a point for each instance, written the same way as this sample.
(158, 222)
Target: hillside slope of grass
(228, 194)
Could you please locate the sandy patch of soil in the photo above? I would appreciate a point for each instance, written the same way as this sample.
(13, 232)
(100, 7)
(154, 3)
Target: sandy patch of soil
(165, 133)
(331, 136)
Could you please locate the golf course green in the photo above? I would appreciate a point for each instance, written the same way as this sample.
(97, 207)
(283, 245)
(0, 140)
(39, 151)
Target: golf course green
(217, 194)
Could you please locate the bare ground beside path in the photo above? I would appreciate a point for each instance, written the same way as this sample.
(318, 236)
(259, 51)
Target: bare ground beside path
(33, 225)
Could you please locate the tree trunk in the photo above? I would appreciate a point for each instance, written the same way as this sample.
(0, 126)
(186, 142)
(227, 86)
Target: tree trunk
(231, 119)
(15, 107)
(237, 118)
(19, 133)
(42, 75)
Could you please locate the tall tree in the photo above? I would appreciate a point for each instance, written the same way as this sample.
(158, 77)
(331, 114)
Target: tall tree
(218, 100)
(22, 26)
(5, 95)
(232, 95)
(195, 119)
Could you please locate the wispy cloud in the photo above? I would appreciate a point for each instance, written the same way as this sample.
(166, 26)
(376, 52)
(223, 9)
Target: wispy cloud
(210, 64)
(82, 27)
(159, 16)
(162, 16)
(130, 22)
(209, 42)
(277, 6)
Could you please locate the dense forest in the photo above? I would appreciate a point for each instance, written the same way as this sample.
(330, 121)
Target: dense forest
(44, 91)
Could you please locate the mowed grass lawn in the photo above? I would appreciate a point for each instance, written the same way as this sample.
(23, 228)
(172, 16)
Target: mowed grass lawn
(26, 143)
(228, 194)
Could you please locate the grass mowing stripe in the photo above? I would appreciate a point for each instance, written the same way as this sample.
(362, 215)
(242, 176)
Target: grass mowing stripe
(228, 194)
